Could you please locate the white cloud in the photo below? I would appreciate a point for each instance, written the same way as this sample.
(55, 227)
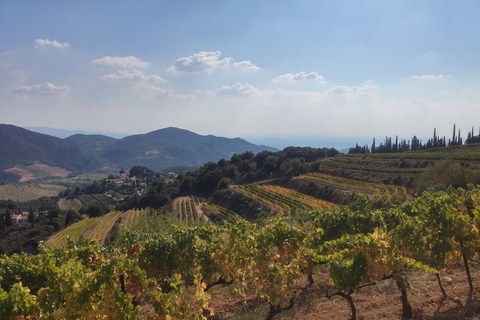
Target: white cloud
(54, 43)
(132, 75)
(355, 91)
(429, 77)
(245, 66)
(290, 78)
(237, 88)
(47, 89)
(124, 62)
(181, 97)
(151, 92)
(202, 62)
(245, 89)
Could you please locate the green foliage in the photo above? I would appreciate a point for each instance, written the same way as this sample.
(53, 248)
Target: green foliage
(173, 270)
(20, 146)
(445, 173)
(348, 274)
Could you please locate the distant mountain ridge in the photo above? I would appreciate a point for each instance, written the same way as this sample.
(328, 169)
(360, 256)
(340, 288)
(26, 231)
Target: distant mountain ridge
(157, 150)
(171, 146)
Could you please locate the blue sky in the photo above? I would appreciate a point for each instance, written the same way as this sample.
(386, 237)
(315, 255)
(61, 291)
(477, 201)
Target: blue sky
(278, 69)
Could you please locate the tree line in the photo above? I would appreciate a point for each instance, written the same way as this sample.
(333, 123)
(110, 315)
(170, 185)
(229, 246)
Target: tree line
(403, 145)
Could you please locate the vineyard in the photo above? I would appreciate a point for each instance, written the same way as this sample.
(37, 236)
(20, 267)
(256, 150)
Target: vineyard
(74, 232)
(334, 259)
(368, 166)
(85, 201)
(377, 192)
(188, 210)
(218, 213)
(102, 227)
(93, 228)
(344, 237)
(283, 199)
(131, 217)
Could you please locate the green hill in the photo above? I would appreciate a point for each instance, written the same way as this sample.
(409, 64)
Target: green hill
(21, 146)
(171, 147)
(158, 150)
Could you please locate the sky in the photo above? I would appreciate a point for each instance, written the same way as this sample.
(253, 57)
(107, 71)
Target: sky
(296, 71)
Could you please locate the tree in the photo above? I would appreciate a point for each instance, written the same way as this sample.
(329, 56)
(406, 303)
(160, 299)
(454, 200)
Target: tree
(270, 164)
(446, 173)
(8, 219)
(31, 215)
(71, 217)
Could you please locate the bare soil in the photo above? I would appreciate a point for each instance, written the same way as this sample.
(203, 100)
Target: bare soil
(381, 301)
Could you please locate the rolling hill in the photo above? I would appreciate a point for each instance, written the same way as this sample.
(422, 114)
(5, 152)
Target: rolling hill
(170, 147)
(157, 150)
(21, 146)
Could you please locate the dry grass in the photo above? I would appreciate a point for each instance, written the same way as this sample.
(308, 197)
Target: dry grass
(30, 191)
(37, 171)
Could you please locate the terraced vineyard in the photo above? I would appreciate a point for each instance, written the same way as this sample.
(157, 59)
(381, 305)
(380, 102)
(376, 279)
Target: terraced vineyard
(283, 199)
(219, 213)
(343, 163)
(101, 228)
(131, 217)
(93, 228)
(188, 210)
(85, 201)
(74, 232)
(377, 192)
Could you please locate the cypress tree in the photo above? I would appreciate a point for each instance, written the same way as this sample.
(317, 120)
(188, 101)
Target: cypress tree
(8, 219)
(453, 137)
(31, 215)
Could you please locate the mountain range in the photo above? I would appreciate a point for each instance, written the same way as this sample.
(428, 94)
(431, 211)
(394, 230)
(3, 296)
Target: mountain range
(157, 150)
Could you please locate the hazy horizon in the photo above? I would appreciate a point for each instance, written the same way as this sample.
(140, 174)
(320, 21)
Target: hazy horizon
(291, 69)
(276, 141)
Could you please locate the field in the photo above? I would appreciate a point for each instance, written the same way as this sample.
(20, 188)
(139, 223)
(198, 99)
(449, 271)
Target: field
(37, 171)
(48, 186)
(29, 191)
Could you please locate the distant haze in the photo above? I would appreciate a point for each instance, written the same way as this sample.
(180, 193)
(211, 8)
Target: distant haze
(280, 141)
(243, 68)
(62, 133)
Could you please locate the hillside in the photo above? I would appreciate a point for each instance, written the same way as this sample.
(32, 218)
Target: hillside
(93, 143)
(21, 146)
(170, 147)
(303, 223)
(158, 150)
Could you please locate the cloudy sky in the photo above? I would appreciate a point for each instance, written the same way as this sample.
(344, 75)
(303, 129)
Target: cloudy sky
(278, 69)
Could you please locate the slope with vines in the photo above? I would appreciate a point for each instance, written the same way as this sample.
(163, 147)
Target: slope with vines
(283, 199)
